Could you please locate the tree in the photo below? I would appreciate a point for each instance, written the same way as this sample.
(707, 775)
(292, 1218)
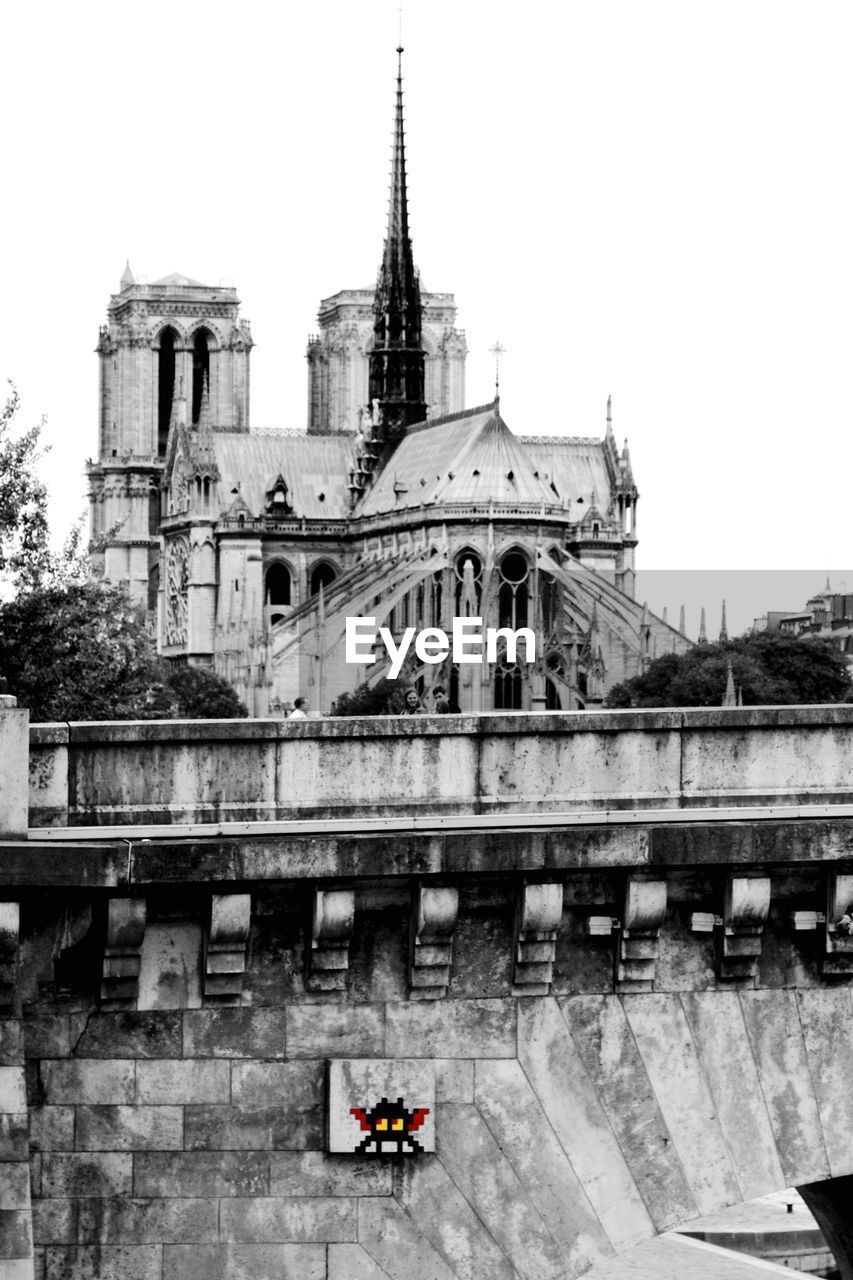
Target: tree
(24, 551)
(385, 698)
(83, 652)
(200, 694)
(768, 668)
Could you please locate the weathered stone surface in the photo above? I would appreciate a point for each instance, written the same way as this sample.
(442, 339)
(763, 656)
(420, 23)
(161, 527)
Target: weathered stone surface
(131, 1034)
(52, 1128)
(234, 1033)
(189, 1080)
(610, 1056)
(54, 1221)
(170, 976)
(387, 1233)
(270, 1082)
(106, 1083)
(777, 1042)
(825, 1018)
(167, 1221)
(200, 1173)
(16, 1235)
(433, 1201)
(13, 1136)
(335, 1031)
(86, 1174)
(11, 1041)
(14, 1186)
(113, 1262)
(475, 1161)
(718, 1030)
(129, 1129)
(454, 1080)
(295, 1125)
(669, 1056)
(520, 1128)
(277, 1220)
(568, 1096)
(244, 1262)
(350, 1262)
(311, 1173)
(452, 1029)
(13, 1098)
(51, 1035)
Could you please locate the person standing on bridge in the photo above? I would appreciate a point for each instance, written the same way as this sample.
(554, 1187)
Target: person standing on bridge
(298, 712)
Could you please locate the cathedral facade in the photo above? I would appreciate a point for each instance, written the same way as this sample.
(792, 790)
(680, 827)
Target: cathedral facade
(250, 549)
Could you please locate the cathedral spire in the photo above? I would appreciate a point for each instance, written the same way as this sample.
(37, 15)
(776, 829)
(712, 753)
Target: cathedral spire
(396, 376)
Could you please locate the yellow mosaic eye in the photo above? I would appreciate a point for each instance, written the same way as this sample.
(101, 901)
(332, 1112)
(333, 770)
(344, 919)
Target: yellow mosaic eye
(382, 1124)
(396, 1124)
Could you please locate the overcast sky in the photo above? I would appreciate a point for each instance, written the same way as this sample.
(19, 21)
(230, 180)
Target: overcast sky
(649, 200)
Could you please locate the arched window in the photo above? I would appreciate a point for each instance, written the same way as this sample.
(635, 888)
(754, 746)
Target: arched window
(468, 584)
(277, 585)
(508, 687)
(201, 369)
(513, 593)
(552, 697)
(165, 387)
(322, 575)
(435, 594)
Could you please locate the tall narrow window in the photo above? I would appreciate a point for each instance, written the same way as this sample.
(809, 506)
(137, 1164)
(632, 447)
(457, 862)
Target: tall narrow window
(201, 369)
(512, 597)
(277, 584)
(322, 575)
(165, 387)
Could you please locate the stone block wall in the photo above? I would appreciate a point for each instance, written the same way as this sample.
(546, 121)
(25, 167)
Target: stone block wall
(174, 1142)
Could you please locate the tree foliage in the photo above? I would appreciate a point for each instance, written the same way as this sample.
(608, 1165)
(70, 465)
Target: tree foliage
(384, 698)
(24, 550)
(83, 652)
(768, 668)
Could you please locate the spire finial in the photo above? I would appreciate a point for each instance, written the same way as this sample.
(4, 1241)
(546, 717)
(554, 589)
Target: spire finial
(703, 638)
(724, 635)
(609, 413)
(497, 351)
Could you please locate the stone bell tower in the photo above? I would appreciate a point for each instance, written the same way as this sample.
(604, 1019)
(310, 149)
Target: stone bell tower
(174, 337)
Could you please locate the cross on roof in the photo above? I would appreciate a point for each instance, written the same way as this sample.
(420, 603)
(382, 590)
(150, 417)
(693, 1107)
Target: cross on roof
(497, 351)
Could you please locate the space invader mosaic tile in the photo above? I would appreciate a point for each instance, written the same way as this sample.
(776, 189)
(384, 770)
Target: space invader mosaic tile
(381, 1106)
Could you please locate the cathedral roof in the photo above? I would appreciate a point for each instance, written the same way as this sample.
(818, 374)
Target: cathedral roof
(575, 467)
(183, 282)
(474, 457)
(315, 468)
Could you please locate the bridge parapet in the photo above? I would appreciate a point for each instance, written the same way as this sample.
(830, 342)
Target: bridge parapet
(221, 771)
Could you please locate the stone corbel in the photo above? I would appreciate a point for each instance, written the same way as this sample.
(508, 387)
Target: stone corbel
(539, 909)
(10, 925)
(123, 953)
(638, 937)
(331, 932)
(434, 915)
(745, 910)
(837, 957)
(225, 944)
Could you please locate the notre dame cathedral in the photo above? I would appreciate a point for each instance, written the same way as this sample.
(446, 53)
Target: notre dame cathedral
(250, 548)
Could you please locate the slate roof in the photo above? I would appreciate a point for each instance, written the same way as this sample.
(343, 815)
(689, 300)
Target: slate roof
(576, 467)
(310, 465)
(470, 457)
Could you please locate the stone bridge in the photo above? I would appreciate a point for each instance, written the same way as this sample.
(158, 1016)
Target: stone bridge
(604, 948)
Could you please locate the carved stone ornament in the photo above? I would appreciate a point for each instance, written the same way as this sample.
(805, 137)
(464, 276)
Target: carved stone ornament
(639, 936)
(331, 932)
(225, 944)
(123, 952)
(177, 582)
(539, 910)
(434, 915)
(745, 910)
(837, 957)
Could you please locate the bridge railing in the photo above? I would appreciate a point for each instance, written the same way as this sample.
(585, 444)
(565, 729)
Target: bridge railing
(94, 774)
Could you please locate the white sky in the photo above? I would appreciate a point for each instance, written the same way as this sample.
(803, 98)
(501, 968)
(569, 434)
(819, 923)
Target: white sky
(652, 200)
